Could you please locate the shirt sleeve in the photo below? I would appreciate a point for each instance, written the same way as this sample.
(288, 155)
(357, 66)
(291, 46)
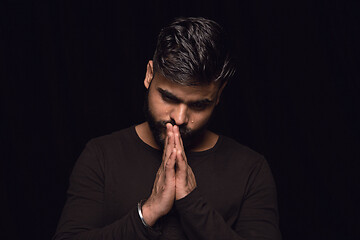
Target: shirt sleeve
(257, 218)
(82, 216)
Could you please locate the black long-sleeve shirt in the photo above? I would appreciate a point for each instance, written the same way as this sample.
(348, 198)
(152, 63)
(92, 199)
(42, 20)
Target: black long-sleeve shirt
(235, 197)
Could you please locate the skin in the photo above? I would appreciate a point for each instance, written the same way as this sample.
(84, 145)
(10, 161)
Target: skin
(189, 106)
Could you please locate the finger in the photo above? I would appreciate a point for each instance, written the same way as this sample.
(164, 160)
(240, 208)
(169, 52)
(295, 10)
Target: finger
(177, 138)
(178, 143)
(165, 146)
(181, 143)
(167, 135)
(158, 178)
(177, 130)
(166, 143)
(181, 164)
(170, 165)
(179, 149)
(170, 132)
(169, 148)
(169, 128)
(169, 142)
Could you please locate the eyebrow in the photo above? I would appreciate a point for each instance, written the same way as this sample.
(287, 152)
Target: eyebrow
(174, 98)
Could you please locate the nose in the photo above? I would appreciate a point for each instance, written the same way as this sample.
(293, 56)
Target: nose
(180, 114)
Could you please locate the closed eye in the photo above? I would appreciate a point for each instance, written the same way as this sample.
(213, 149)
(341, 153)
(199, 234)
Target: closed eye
(168, 97)
(195, 105)
(198, 106)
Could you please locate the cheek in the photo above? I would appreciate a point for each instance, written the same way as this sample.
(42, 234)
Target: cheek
(200, 119)
(158, 108)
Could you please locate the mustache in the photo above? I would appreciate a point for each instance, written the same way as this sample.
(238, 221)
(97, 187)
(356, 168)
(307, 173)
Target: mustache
(184, 131)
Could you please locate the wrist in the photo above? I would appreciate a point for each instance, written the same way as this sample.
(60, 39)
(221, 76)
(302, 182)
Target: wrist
(148, 217)
(139, 208)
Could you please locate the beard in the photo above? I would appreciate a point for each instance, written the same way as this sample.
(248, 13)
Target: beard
(158, 128)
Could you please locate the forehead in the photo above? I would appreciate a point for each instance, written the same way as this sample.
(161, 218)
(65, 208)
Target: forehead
(208, 91)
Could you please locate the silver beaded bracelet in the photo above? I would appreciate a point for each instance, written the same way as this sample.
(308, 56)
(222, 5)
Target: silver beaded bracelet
(140, 214)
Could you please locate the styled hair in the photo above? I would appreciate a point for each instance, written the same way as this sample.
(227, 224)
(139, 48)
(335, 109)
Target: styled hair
(193, 51)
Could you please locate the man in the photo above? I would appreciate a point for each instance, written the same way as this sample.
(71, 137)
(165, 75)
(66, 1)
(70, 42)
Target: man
(170, 177)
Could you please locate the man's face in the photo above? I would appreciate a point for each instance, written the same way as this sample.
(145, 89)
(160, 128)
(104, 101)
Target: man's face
(189, 107)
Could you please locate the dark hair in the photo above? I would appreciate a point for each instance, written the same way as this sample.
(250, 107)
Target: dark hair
(193, 51)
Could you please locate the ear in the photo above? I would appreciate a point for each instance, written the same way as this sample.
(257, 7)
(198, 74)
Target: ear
(220, 91)
(149, 74)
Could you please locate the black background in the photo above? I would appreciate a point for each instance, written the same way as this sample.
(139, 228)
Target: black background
(73, 70)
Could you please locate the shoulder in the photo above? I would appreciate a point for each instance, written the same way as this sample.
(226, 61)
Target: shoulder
(115, 140)
(229, 148)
